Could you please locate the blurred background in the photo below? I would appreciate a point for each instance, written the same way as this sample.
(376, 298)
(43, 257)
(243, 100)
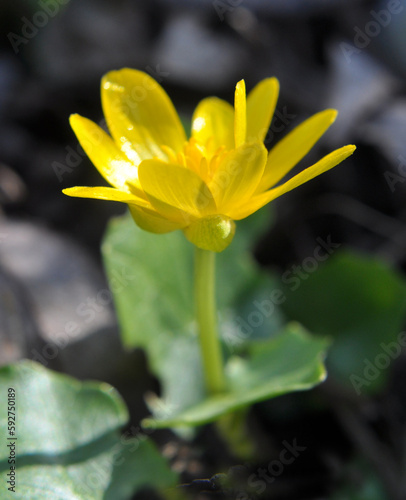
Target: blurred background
(345, 54)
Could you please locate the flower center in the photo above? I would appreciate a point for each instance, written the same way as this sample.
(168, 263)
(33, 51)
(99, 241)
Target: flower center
(195, 157)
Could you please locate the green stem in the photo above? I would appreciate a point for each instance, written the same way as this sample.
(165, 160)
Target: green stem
(206, 315)
(233, 429)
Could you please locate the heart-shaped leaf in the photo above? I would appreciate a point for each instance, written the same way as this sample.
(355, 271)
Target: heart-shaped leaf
(151, 277)
(66, 440)
(292, 361)
(360, 302)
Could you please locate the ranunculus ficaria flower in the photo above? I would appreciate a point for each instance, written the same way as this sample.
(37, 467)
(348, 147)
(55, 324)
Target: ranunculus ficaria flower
(201, 185)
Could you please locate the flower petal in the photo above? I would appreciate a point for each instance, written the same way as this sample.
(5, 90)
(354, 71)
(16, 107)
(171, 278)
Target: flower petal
(326, 163)
(105, 193)
(140, 115)
(240, 116)
(175, 192)
(212, 124)
(103, 152)
(261, 103)
(294, 146)
(237, 176)
(151, 221)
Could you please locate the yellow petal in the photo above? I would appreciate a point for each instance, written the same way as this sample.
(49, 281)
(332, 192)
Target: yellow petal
(294, 146)
(212, 124)
(261, 103)
(140, 115)
(213, 233)
(237, 176)
(151, 221)
(240, 117)
(175, 192)
(105, 193)
(103, 152)
(326, 163)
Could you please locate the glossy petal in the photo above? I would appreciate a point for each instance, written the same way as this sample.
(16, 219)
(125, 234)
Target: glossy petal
(150, 220)
(103, 152)
(261, 103)
(175, 192)
(326, 163)
(223, 173)
(105, 193)
(240, 114)
(212, 124)
(237, 177)
(292, 148)
(140, 115)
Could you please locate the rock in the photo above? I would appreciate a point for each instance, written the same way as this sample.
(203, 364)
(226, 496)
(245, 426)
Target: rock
(69, 297)
(18, 330)
(197, 56)
(56, 309)
(386, 130)
(12, 188)
(108, 36)
(359, 86)
(65, 284)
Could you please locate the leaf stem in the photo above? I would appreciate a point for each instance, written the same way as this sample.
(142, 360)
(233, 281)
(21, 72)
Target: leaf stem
(206, 315)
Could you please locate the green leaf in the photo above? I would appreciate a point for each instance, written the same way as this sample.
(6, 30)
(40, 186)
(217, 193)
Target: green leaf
(151, 277)
(155, 309)
(67, 438)
(359, 481)
(154, 300)
(139, 465)
(293, 361)
(48, 402)
(359, 301)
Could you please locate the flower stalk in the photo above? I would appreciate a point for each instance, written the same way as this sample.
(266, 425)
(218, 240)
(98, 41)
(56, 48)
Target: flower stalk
(206, 316)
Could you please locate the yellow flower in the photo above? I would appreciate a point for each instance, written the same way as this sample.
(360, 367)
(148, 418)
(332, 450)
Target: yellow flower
(202, 185)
